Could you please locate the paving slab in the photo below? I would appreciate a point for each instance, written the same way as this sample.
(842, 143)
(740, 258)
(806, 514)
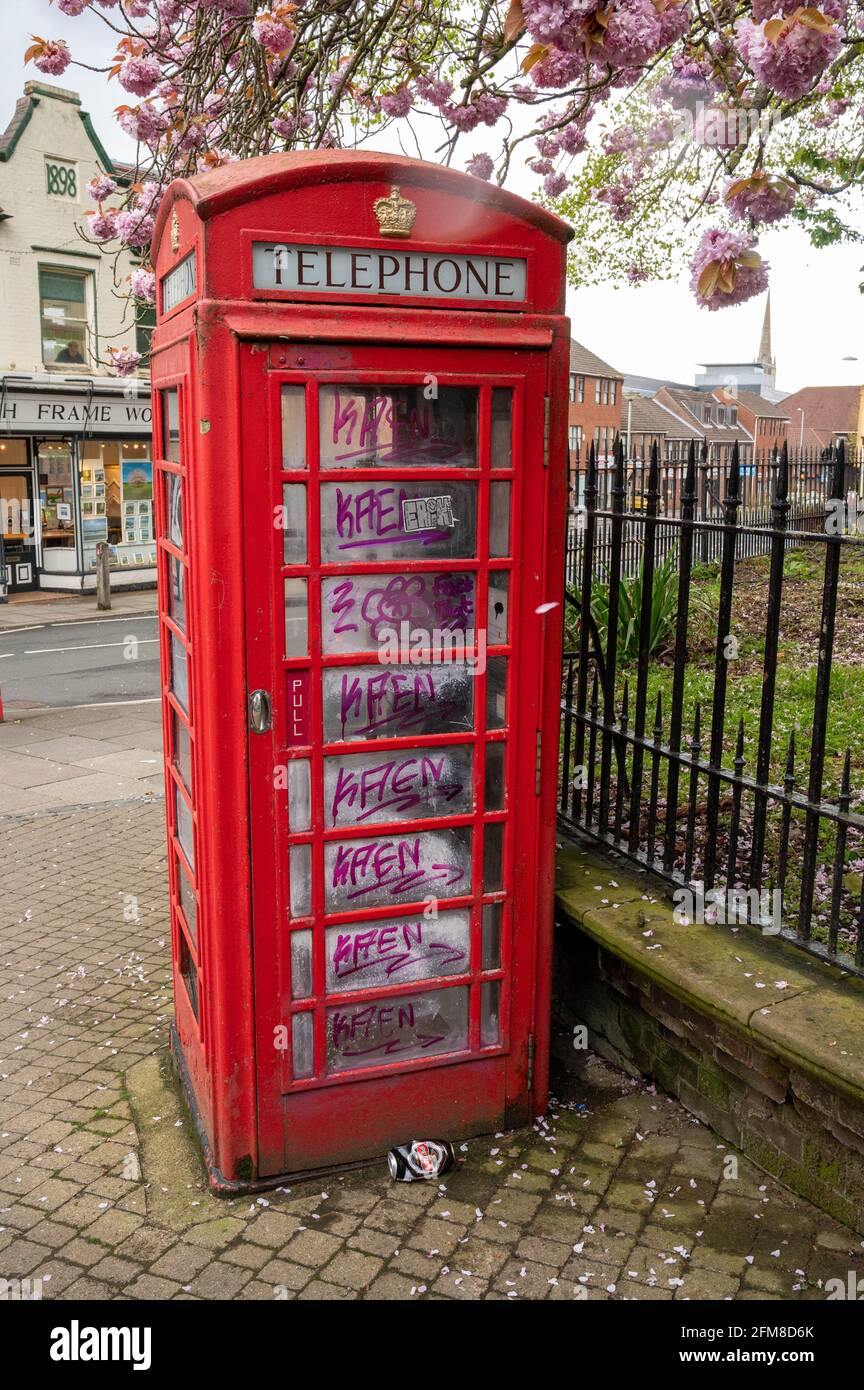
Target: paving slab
(17, 769)
(127, 762)
(94, 787)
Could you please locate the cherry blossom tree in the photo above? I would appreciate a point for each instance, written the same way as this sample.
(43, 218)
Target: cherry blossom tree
(662, 129)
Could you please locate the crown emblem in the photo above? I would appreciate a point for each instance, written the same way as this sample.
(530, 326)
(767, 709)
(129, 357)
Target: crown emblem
(175, 233)
(395, 214)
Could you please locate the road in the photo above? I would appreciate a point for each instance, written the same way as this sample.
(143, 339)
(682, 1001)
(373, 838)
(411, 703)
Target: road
(82, 663)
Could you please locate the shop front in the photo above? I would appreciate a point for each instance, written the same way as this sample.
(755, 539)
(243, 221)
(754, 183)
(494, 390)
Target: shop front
(75, 469)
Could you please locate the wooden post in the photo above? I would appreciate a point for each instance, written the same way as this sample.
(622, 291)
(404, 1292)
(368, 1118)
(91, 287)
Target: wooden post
(103, 577)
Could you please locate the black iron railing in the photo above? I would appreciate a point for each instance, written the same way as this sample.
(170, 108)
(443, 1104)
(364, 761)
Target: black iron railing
(690, 781)
(810, 476)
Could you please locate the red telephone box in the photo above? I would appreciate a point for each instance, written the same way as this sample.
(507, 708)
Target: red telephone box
(360, 390)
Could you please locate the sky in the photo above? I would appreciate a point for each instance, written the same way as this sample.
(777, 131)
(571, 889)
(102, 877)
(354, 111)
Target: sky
(650, 330)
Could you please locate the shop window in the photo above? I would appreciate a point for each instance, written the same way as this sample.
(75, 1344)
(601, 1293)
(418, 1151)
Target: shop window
(117, 502)
(57, 499)
(64, 319)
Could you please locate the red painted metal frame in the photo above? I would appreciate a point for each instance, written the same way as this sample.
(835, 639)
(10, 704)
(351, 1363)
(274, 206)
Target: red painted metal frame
(273, 992)
(228, 356)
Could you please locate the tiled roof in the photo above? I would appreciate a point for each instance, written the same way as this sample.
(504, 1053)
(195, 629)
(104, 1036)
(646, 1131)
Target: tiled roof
(589, 364)
(649, 417)
(689, 404)
(828, 411)
(765, 410)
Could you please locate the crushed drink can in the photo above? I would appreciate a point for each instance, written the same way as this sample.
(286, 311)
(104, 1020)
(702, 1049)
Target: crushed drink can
(420, 1160)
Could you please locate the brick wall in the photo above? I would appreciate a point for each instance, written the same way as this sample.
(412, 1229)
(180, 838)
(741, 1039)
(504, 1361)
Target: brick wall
(803, 1131)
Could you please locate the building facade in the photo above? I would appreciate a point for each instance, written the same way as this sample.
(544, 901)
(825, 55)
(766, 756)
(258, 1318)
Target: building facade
(716, 421)
(767, 423)
(595, 401)
(75, 456)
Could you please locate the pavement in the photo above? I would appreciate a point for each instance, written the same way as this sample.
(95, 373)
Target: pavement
(617, 1193)
(32, 609)
(80, 756)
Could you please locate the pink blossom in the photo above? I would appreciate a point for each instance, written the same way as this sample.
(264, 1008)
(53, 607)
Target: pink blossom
(285, 126)
(481, 166)
(103, 225)
(169, 10)
(139, 75)
(759, 198)
(149, 197)
(689, 82)
(619, 141)
(554, 184)
(72, 7)
(124, 361)
(555, 22)
(791, 63)
(101, 188)
(272, 31)
(138, 9)
(726, 270)
(558, 69)
(636, 274)
(485, 109)
(768, 9)
(54, 57)
(397, 103)
(134, 227)
(633, 33)
(144, 285)
(144, 123)
(618, 198)
(436, 91)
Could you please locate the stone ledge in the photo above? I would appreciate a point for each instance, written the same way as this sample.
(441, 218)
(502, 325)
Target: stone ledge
(756, 1040)
(815, 1024)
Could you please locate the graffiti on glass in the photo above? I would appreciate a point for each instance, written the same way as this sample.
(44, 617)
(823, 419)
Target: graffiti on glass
(381, 427)
(371, 702)
(406, 868)
(368, 787)
(370, 521)
(398, 1029)
(371, 954)
(359, 610)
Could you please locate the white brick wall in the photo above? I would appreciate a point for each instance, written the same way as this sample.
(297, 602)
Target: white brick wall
(36, 219)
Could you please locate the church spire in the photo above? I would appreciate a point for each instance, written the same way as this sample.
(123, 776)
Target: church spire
(764, 356)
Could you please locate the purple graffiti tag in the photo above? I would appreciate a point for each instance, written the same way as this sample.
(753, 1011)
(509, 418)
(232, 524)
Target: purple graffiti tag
(390, 700)
(342, 602)
(384, 1028)
(366, 518)
(411, 599)
(411, 431)
(392, 864)
(392, 784)
(364, 950)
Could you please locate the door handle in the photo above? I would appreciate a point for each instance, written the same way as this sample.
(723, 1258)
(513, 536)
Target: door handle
(260, 712)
